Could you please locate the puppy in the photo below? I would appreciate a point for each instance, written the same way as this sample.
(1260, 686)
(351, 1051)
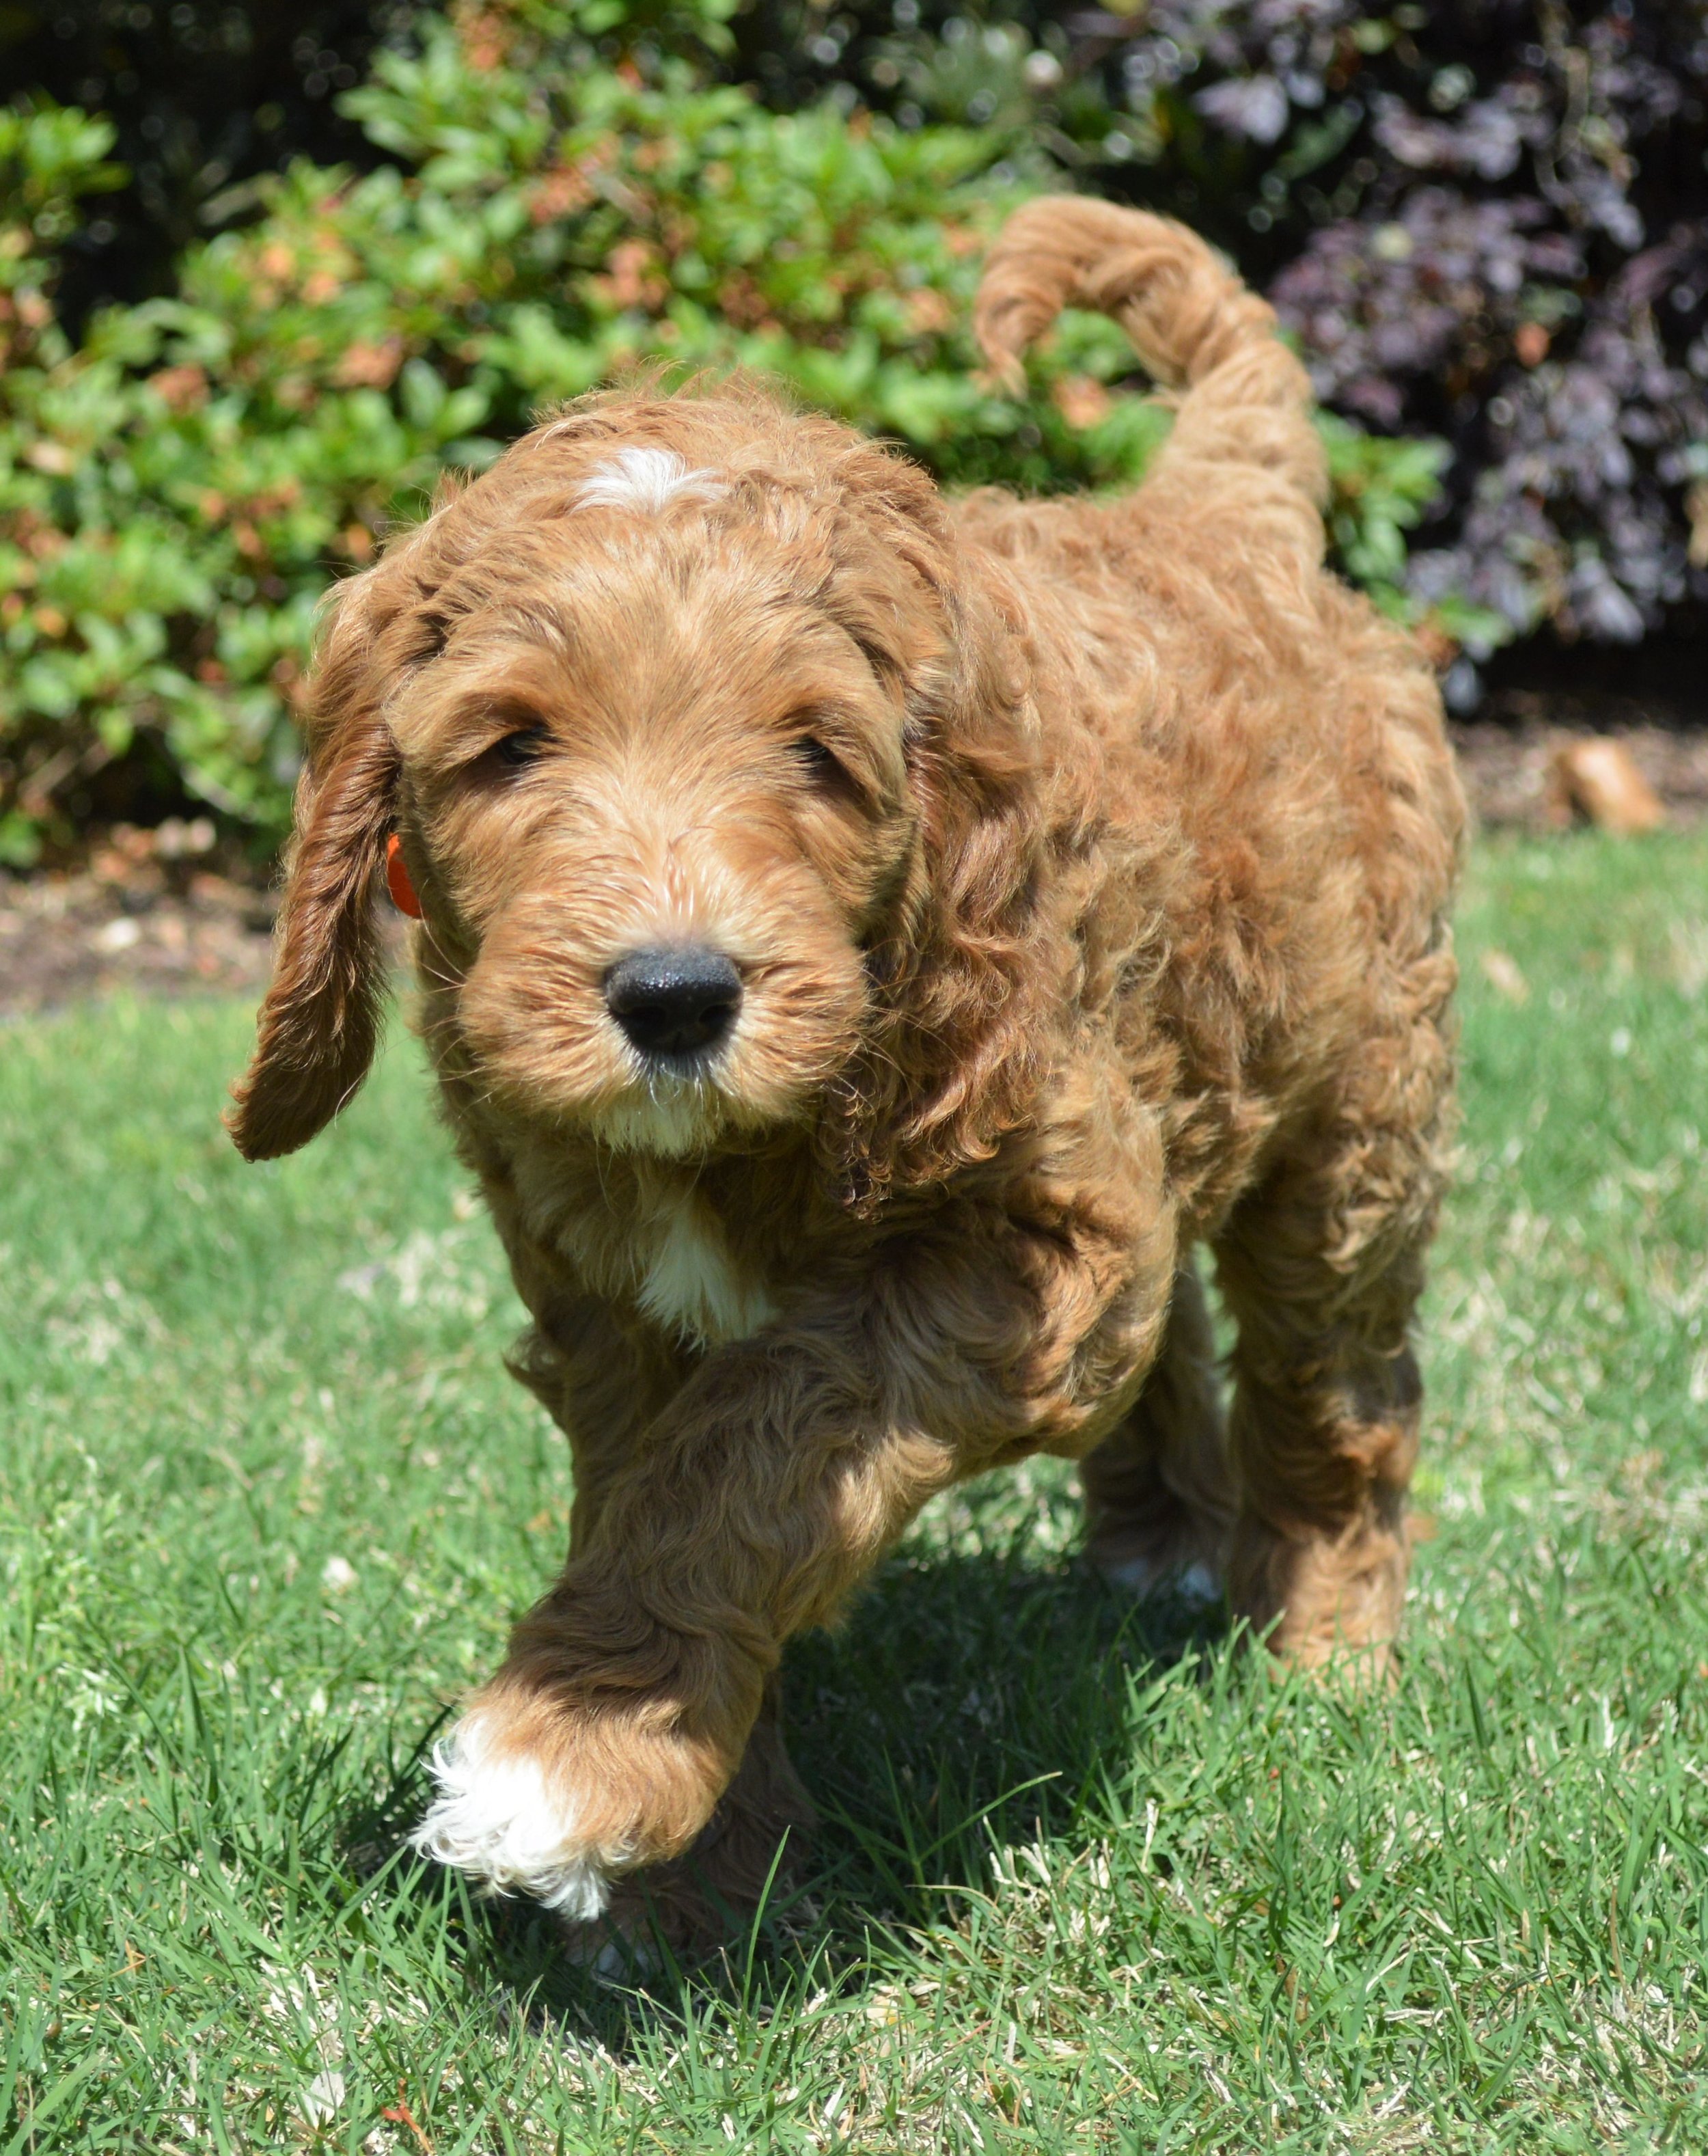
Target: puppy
(867, 943)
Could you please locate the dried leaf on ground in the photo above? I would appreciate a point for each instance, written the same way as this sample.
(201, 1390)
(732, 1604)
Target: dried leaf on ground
(1598, 778)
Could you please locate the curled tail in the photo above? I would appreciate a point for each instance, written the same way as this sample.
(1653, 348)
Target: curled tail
(1245, 400)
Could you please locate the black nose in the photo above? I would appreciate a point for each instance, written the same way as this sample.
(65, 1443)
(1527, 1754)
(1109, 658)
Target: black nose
(669, 1003)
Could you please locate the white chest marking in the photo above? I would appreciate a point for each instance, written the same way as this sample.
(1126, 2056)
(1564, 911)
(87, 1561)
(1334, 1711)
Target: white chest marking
(690, 1282)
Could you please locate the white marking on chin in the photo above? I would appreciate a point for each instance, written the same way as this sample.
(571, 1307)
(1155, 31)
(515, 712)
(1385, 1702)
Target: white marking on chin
(691, 1283)
(647, 480)
(675, 1119)
(495, 1817)
(1196, 1584)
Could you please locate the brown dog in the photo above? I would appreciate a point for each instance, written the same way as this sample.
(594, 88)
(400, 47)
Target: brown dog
(867, 943)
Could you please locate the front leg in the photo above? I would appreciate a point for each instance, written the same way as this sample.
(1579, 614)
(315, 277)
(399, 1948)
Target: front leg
(628, 1696)
(776, 1479)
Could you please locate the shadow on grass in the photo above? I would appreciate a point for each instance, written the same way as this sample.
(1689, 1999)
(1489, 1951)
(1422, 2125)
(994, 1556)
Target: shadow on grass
(967, 1702)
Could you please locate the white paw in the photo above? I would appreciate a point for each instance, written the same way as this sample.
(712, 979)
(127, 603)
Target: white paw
(628, 1961)
(495, 1819)
(1195, 1584)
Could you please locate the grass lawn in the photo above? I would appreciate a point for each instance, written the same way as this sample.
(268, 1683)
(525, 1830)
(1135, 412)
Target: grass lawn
(267, 1501)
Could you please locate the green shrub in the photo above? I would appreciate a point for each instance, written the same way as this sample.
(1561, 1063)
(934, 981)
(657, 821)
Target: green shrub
(203, 96)
(177, 492)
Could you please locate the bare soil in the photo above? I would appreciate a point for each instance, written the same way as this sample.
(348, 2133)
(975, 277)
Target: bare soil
(64, 938)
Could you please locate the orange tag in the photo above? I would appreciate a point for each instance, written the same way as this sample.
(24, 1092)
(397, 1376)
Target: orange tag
(397, 880)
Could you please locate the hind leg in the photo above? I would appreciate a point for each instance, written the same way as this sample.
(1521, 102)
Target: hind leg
(1158, 1492)
(1322, 1269)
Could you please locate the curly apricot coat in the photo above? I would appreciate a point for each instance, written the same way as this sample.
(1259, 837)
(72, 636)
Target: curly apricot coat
(1078, 875)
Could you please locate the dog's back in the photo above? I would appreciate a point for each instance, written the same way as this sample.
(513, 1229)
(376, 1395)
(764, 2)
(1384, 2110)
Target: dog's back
(1209, 692)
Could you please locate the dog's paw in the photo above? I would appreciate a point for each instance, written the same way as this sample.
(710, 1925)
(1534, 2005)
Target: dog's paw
(498, 1818)
(1197, 1585)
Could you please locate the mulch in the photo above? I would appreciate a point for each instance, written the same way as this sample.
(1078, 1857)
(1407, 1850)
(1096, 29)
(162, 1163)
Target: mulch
(130, 921)
(66, 938)
(1508, 763)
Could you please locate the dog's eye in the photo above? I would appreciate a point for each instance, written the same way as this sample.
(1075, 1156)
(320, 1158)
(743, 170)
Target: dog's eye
(514, 752)
(824, 765)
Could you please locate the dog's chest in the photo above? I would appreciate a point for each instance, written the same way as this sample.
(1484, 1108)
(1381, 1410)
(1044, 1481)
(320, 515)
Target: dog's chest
(648, 1237)
(687, 1277)
(703, 1254)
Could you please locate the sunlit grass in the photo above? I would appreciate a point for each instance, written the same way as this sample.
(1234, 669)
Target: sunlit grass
(267, 1499)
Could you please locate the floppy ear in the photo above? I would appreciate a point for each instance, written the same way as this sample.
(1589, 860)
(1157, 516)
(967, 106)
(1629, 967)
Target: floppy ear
(321, 1021)
(951, 1065)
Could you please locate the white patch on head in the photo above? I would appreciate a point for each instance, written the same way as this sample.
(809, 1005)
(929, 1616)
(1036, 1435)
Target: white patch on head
(647, 481)
(495, 1819)
(689, 1281)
